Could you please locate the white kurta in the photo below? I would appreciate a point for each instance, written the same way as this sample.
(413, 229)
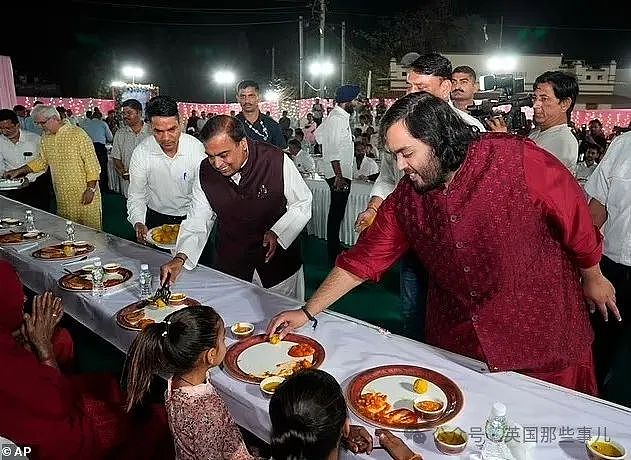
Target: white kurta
(337, 143)
(560, 142)
(304, 162)
(367, 168)
(160, 182)
(196, 228)
(610, 184)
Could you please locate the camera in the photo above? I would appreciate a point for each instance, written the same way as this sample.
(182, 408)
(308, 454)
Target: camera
(511, 93)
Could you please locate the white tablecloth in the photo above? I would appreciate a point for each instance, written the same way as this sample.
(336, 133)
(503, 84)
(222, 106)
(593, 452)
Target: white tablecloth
(357, 202)
(351, 347)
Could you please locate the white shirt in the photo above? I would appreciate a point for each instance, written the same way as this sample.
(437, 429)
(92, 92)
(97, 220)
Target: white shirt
(125, 141)
(560, 142)
(304, 162)
(334, 134)
(610, 184)
(389, 174)
(195, 229)
(200, 123)
(12, 155)
(583, 172)
(367, 168)
(160, 182)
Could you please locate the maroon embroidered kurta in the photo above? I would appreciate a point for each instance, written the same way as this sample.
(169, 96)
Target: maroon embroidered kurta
(503, 245)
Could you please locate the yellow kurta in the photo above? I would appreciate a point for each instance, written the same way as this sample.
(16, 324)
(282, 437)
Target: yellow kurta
(72, 160)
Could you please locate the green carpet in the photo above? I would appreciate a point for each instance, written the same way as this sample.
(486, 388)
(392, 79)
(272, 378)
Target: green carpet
(375, 303)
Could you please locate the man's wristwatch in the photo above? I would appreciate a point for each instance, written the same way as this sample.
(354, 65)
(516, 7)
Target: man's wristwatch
(92, 189)
(309, 316)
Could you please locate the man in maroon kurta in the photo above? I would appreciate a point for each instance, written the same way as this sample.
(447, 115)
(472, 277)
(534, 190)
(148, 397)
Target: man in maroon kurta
(505, 234)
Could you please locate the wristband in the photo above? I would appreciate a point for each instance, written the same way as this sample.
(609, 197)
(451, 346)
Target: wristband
(371, 207)
(181, 258)
(309, 316)
(92, 189)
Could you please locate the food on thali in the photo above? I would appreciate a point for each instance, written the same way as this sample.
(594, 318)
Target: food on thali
(420, 386)
(177, 297)
(9, 222)
(453, 438)
(301, 350)
(274, 339)
(271, 386)
(82, 281)
(62, 251)
(253, 359)
(20, 237)
(428, 405)
(242, 328)
(165, 234)
(606, 448)
(378, 396)
(140, 314)
(289, 368)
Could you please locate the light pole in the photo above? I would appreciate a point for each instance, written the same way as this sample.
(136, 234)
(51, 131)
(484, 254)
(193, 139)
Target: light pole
(133, 72)
(322, 69)
(224, 78)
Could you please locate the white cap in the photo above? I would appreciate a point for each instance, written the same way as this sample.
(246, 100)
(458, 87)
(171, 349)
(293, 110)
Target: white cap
(97, 262)
(144, 267)
(499, 410)
(68, 222)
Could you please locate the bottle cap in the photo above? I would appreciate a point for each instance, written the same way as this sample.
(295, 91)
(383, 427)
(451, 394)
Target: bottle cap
(68, 222)
(97, 262)
(144, 267)
(499, 409)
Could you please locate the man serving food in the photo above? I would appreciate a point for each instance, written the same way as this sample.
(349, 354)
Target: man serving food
(511, 252)
(162, 170)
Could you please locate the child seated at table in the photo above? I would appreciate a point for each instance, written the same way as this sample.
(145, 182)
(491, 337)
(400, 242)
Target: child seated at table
(310, 422)
(186, 345)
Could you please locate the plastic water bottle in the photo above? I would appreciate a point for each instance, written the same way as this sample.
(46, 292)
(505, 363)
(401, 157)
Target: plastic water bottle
(70, 230)
(98, 274)
(496, 429)
(29, 221)
(144, 280)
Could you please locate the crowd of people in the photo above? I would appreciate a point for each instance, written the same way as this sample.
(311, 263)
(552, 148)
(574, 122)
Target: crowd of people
(513, 250)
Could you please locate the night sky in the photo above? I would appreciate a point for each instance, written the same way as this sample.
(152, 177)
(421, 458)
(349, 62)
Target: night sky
(81, 45)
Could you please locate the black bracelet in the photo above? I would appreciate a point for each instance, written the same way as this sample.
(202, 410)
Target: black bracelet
(181, 258)
(309, 316)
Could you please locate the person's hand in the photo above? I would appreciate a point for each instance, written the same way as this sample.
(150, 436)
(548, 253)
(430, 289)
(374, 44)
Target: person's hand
(41, 323)
(270, 241)
(13, 173)
(395, 446)
(88, 196)
(174, 267)
(290, 320)
(600, 294)
(365, 219)
(358, 440)
(141, 232)
(497, 125)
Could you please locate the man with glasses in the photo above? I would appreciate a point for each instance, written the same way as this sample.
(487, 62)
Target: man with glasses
(74, 168)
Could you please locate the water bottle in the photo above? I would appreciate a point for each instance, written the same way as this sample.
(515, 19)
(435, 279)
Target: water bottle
(70, 230)
(144, 279)
(97, 279)
(29, 221)
(496, 429)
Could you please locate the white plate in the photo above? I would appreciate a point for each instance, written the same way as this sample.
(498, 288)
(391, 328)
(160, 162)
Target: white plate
(155, 243)
(158, 315)
(265, 357)
(399, 389)
(108, 276)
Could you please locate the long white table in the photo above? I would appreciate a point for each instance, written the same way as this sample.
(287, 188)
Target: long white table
(357, 202)
(351, 346)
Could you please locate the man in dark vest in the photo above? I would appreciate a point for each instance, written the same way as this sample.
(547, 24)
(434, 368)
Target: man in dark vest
(261, 204)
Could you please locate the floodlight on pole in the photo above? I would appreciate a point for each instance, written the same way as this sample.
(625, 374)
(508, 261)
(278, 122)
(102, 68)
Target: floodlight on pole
(224, 78)
(133, 72)
(502, 64)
